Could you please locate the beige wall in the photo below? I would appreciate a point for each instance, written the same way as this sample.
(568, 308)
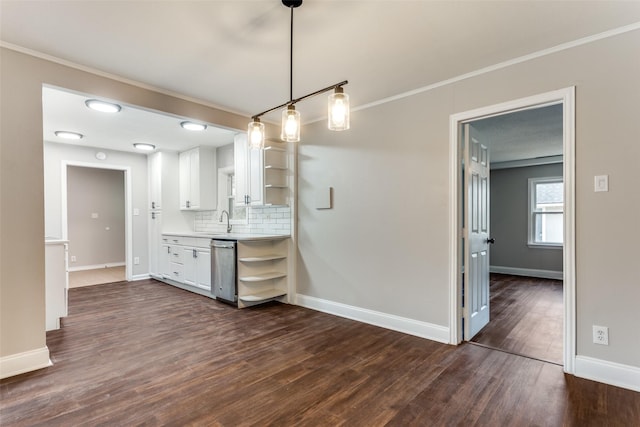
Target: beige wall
(56, 155)
(384, 245)
(100, 240)
(22, 321)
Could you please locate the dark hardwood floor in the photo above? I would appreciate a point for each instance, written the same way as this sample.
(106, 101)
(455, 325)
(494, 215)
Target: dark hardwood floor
(144, 353)
(526, 317)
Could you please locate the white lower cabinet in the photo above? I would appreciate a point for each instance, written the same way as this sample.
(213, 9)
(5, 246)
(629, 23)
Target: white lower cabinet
(197, 267)
(186, 260)
(164, 261)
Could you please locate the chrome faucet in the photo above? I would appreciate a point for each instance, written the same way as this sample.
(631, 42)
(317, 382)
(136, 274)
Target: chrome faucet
(228, 223)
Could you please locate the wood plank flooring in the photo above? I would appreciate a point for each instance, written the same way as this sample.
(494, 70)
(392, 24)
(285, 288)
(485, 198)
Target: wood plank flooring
(145, 353)
(526, 317)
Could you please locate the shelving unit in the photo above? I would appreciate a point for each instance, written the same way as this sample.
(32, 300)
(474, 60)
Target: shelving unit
(275, 173)
(262, 271)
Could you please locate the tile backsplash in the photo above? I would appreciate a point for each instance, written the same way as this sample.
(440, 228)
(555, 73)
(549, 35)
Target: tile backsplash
(262, 220)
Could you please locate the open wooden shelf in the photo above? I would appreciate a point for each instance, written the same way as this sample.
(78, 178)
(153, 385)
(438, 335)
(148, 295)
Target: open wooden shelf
(263, 295)
(263, 277)
(269, 257)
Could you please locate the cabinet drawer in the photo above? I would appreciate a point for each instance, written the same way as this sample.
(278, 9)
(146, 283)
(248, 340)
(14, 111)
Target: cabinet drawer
(201, 242)
(182, 240)
(175, 254)
(174, 240)
(176, 272)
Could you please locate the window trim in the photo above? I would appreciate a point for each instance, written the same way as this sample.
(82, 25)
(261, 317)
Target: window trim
(531, 213)
(223, 188)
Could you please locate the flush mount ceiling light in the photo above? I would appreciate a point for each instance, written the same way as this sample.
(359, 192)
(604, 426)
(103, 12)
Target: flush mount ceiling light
(193, 126)
(338, 108)
(68, 135)
(144, 146)
(102, 106)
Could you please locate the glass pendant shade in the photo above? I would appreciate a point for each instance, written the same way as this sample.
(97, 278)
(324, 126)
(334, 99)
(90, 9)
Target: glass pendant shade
(338, 110)
(256, 134)
(290, 125)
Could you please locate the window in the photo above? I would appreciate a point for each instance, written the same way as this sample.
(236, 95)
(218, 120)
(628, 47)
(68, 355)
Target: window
(546, 212)
(227, 196)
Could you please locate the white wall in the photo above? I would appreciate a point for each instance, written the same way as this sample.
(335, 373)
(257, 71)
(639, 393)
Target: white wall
(56, 154)
(384, 245)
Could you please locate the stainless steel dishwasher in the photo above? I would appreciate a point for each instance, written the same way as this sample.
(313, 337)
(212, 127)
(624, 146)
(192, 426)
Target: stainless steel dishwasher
(223, 270)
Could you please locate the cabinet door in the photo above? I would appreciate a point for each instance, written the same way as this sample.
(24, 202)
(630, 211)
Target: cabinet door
(155, 248)
(189, 265)
(240, 162)
(194, 179)
(203, 269)
(256, 177)
(165, 261)
(185, 179)
(155, 180)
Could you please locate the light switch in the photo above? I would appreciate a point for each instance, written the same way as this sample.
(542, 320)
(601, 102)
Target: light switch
(323, 198)
(601, 183)
(94, 216)
(136, 211)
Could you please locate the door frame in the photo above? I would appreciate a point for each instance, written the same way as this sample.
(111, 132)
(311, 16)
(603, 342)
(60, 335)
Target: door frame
(128, 213)
(566, 97)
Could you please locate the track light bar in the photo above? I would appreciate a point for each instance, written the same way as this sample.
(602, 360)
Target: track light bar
(294, 101)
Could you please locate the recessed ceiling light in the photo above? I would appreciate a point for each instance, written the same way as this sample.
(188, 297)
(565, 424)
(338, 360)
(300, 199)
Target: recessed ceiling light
(144, 146)
(193, 126)
(68, 135)
(102, 106)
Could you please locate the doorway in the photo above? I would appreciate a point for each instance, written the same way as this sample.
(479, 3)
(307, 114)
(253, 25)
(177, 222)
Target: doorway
(96, 226)
(100, 237)
(565, 98)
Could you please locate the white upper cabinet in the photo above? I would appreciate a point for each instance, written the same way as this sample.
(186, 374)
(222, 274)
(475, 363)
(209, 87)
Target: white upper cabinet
(154, 162)
(248, 172)
(198, 179)
(261, 175)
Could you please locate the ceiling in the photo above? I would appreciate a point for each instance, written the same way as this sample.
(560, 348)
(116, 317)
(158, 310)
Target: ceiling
(235, 54)
(526, 134)
(66, 111)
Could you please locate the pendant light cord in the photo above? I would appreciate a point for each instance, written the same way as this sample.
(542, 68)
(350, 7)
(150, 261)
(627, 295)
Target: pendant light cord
(291, 58)
(292, 4)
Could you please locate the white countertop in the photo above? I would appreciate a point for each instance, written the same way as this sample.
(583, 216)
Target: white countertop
(228, 236)
(54, 241)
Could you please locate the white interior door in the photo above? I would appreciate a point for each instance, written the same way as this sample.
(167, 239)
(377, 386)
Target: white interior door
(476, 234)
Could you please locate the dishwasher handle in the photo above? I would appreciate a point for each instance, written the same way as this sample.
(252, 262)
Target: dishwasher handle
(223, 244)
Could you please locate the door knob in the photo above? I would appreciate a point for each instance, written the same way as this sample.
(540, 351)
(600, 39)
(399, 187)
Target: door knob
(491, 241)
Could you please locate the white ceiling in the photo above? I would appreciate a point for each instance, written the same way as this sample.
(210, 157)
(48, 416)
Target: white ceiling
(527, 134)
(235, 54)
(66, 111)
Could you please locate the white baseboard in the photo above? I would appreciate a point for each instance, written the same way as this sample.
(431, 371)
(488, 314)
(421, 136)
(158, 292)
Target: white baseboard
(377, 318)
(140, 277)
(97, 266)
(529, 272)
(28, 361)
(611, 373)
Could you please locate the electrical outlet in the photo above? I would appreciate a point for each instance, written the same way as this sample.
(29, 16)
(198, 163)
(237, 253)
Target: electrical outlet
(73, 258)
(600, 335)
(136, 260)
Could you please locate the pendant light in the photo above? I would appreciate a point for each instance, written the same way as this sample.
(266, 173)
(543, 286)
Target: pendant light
(290, 124)
(338, 110)
(338, 107)
(256, 134)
